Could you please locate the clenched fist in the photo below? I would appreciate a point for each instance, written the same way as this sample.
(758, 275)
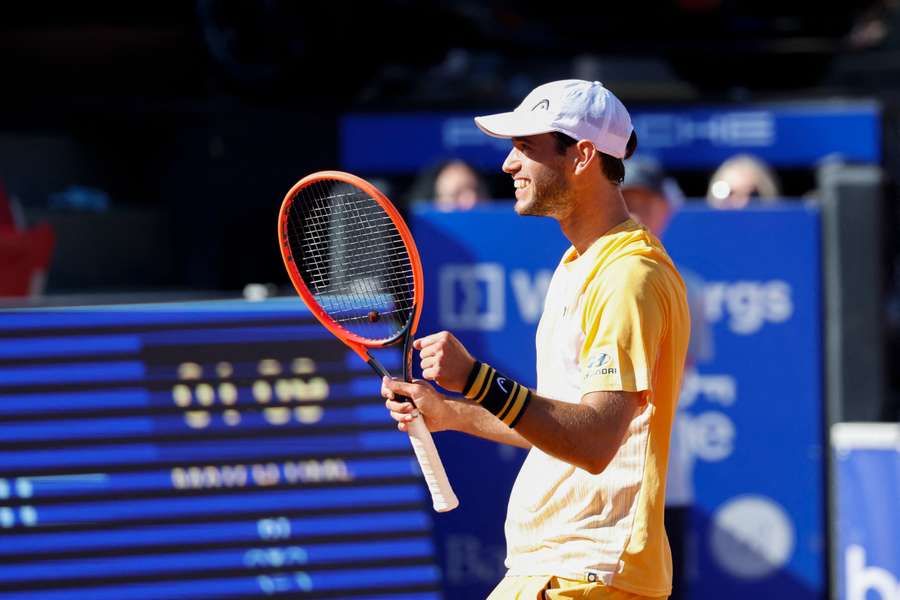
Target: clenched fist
(444, 360)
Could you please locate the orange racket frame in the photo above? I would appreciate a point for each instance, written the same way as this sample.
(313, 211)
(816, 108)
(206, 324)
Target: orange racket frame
(442, 494)
(357, 343)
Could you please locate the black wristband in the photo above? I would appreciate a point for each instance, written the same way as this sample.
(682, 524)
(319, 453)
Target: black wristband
(503, 397)
(470, 380)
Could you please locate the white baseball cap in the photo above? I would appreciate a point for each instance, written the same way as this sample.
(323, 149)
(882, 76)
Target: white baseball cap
(583, 110)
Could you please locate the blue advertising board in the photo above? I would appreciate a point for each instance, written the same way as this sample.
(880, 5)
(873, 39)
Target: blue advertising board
(751, 410)
(867, 507)
(784, 135)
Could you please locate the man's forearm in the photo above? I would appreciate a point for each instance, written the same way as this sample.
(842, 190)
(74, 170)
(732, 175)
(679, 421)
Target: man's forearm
(474, 420)
(587, 434)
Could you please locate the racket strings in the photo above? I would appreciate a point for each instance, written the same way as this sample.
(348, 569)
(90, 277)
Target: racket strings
(374, 239)
(335, 270)
(352, 258)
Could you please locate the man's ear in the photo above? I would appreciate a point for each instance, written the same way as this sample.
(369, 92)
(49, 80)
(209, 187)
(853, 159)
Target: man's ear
(586, 154)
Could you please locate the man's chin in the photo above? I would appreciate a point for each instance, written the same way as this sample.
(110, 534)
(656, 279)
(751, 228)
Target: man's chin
(528, 209)
(524, 208)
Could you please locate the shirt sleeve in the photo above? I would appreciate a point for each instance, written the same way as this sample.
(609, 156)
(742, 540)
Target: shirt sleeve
(624, 322)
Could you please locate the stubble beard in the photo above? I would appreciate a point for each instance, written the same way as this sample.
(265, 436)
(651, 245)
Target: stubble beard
(550, 198)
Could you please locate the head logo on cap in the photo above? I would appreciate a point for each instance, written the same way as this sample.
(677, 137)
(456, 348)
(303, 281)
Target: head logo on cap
(582, 110)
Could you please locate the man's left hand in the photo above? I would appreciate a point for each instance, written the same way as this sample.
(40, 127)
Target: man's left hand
(445, 360)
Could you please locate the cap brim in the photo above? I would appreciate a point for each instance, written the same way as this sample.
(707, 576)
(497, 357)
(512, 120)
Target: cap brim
(511, 124)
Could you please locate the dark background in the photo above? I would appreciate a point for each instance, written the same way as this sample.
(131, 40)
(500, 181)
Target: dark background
(194, 118)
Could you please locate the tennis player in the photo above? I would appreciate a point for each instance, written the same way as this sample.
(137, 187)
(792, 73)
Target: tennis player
(585, 516)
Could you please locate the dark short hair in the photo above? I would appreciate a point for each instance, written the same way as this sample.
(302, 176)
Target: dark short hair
(613, 168)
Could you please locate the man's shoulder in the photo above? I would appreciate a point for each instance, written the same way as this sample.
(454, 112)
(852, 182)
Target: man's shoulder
(634, 269)
(645, 277)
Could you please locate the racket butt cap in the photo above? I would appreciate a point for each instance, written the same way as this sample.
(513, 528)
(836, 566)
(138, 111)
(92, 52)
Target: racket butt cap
(445, 506)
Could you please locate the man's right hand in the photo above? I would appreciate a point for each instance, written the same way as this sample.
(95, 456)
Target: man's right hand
(445, 360)
(426, 403)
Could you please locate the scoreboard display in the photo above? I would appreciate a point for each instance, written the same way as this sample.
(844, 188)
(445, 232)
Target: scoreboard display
(201, 450)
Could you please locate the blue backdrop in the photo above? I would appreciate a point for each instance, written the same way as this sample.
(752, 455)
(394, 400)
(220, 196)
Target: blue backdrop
(751, 410)
(785, 135)
(867, 510)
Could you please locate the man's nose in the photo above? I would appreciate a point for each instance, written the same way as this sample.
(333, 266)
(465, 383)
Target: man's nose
(512, 163)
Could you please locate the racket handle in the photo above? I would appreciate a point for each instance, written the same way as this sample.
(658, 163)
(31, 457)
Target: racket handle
(442, 496)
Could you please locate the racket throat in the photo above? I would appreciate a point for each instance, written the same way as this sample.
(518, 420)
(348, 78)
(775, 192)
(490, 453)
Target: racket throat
(377, 367)
(406, 359)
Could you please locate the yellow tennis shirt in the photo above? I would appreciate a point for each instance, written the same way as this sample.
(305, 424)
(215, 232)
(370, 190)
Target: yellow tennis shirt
(615, 318)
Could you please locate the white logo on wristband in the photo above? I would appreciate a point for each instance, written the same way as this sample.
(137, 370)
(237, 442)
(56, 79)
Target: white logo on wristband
(500, 382)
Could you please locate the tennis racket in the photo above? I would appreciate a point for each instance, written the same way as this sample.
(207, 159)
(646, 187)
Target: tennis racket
(354, 263)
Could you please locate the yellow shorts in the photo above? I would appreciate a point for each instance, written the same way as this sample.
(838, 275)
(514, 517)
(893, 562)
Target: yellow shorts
(545, 587)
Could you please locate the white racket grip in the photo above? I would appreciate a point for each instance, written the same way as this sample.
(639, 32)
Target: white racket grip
(442, 495)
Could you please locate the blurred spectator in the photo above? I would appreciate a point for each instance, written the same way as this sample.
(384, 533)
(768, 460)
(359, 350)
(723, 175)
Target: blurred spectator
(452, 185)
(739, 181)
(652, 199)
(9, 219)
(24, 253)
(458, 187)
(650, 196)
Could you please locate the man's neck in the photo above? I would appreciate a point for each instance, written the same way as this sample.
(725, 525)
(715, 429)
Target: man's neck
(592, 217)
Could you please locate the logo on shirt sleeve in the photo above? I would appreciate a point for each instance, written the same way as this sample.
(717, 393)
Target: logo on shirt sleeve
(599, 363)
